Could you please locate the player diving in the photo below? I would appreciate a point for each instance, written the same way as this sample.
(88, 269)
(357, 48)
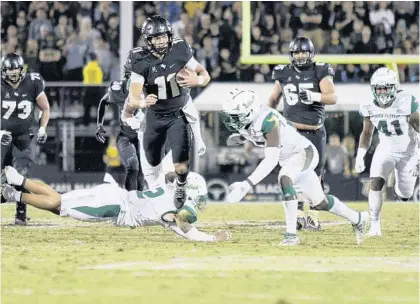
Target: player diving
(124, 208)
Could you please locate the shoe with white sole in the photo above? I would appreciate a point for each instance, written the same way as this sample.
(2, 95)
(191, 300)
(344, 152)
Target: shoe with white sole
(361, 227)
(289, 240)
(12, 176)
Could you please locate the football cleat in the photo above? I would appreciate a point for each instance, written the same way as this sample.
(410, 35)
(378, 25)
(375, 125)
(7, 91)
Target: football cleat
(360, 228)
(312, 223)
(180, 195)
(375, 229)
(290, 239)
(9, 193)
(11, 176)
(300, 223)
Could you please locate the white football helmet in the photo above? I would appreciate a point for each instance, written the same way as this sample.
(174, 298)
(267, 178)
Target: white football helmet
(196, 190)
(384, 85)
(239, 109)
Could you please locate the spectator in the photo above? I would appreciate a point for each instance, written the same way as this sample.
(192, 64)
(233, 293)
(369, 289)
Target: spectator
(203, 28)
(179, 26)
(383, 41)
(296, 9)
(356, 34)
(63, 29)
(400, 33)
(345, 18)
(35, 26)
(75, 50)
(31, 56)
(49, 56)
(258, 44)
(383, 15)
(366, 46)
(361, 12)
(208, 56)
(349, 145)
(228, 69)
(113, 34)
(101, 49)
(351, 74)
(413, 33)
(311, 18)
(336, 157)
(22, 29)
(59, 9)
(335, 46)
(92, 75)
(365, 73)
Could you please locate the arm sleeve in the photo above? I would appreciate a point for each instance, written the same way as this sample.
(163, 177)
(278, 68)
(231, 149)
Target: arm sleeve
(192, 64)
(103, 103)
(194, 234)
(136, 78)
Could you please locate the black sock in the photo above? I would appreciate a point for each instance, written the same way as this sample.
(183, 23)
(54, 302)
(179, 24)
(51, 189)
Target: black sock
(131, 179)
(20, 208)
(182, 178)
(300, 206)
(140, 181)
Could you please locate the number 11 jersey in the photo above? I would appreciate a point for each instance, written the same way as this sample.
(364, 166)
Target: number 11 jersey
(160, 74)
(392, 123)
(18, 105)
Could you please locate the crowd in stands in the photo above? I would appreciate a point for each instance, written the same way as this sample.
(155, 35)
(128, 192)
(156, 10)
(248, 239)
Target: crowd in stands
(57, 38)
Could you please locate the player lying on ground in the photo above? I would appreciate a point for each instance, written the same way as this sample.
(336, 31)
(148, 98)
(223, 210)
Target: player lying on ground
(297, 156)
(125, 208)
(395, 114)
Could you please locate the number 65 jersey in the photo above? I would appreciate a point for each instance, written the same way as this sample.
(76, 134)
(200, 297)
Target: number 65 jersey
(392, 123)
(18, 105)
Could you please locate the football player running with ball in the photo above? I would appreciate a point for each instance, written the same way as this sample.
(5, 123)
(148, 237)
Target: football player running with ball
(167, 95)
(297, 156)
(395, 114)
(108, 202)
(307, 87)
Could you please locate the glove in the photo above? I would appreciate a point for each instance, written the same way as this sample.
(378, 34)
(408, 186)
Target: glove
(6, 137)
(235, 139)
(100, 134)
(305, 97)
(42, 135)
(359, 166)
(237, 191)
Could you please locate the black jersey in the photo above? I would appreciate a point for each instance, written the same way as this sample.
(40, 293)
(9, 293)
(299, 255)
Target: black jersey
(292, 82)
(160, 75)
(18, 105)
(116, 96)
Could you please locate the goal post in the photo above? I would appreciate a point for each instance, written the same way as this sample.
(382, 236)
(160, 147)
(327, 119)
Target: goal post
(389, 60)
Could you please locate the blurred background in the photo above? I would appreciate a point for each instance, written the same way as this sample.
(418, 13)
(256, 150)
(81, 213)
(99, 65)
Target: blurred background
(59, 39)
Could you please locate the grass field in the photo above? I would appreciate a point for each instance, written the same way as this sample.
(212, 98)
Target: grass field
(57, 260)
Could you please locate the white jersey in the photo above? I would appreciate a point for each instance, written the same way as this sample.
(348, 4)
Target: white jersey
(145, 208)
(394, 130)
(291, 142)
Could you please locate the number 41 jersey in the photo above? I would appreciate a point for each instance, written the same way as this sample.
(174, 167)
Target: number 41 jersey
(392, 122)
(160, 74)
(18, 105)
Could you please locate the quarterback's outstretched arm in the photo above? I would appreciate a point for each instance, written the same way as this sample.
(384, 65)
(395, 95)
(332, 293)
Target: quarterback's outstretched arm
(191, 233)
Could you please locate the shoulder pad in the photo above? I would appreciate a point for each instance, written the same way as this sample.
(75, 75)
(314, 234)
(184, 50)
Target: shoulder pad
(177, 40)
(319, 63)
(280, 67)
(35, 76)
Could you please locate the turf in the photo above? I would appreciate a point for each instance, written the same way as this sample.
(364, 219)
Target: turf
(57, 260)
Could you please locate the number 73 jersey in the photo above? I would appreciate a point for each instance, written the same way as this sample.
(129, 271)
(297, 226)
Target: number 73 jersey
(392, 123)
(18, 105)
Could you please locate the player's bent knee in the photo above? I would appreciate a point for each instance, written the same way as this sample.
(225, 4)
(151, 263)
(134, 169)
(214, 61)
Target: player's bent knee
(377, 183)
(181, 167)
(132, 164)
(322, 206)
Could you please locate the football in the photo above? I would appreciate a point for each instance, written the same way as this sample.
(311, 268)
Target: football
(183, 73)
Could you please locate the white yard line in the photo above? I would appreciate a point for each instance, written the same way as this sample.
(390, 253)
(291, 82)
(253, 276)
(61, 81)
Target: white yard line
(272, 263)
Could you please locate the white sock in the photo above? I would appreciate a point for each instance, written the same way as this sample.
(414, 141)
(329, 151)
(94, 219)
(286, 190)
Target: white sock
(375, 225)
(290, 209)
(340, 209)
(375, 204)
(195, 127)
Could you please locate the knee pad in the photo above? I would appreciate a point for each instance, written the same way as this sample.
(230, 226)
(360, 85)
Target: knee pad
(376, 183)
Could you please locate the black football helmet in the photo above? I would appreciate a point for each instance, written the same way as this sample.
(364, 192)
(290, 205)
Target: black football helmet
(156, 26)
(301, 44)
(10, 63)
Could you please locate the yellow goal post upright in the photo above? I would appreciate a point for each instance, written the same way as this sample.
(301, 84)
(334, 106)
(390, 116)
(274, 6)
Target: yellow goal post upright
(389, 60)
